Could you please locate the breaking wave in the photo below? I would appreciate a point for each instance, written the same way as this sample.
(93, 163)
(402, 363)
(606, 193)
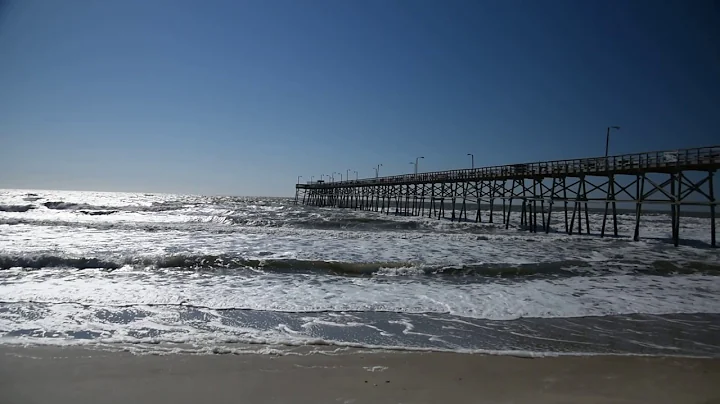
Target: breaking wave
(83, 207)
(231, 223)
(98, 212)
(16, 208)
(131, 226)
(69, 206)
(226, 262)
(345, 223)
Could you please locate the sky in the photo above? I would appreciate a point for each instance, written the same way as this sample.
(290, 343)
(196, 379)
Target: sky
(242, 97)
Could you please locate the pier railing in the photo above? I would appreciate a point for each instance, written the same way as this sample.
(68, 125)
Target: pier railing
(703, 158)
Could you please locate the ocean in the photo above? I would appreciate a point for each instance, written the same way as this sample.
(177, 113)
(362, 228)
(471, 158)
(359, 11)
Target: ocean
(157, 273)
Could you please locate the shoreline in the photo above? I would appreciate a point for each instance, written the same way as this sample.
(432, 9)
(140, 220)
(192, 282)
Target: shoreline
(74, 374)
(303, 349)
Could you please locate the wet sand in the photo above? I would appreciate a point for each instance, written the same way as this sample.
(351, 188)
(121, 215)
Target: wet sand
(78, 375)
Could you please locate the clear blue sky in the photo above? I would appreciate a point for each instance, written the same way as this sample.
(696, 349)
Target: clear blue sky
(240, 97)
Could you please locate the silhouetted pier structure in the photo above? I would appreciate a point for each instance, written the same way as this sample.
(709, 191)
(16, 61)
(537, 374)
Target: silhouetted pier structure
(662, 177)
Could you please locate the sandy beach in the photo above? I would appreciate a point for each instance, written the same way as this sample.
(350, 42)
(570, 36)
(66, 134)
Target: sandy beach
(79, 375)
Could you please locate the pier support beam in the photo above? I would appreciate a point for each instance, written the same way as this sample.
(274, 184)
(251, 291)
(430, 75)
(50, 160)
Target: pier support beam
(638, 206)
(711, 174)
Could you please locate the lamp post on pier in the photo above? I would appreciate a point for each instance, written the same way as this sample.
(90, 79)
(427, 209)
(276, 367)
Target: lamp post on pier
(356, 175)
(416, 164)
(347, 175)
(312, 178)
(377, 170)
(299, 176)
(607, 138)
(472, 160)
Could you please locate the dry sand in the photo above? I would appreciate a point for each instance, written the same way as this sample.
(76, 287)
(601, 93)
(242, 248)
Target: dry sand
(77, 375)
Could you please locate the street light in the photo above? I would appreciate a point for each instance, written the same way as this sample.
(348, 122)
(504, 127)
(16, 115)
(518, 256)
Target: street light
(416, 163)
(377, 170)
(356, 175)
(312, 178)
(607, 138)
(299, 176)
(347, 175)
(340, 174)
(472, 160)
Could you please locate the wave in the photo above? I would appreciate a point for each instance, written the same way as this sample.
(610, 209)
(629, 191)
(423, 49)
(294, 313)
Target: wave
(191, 262)
(362, 224)
(98, 212)
(356, 224)
(226, 262)
(83, 207)
(231, 223)
(16, 208)
(120, 225)
(56, 205)
(64, 322)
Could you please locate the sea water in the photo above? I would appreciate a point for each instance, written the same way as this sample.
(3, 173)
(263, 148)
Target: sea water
(212, 274)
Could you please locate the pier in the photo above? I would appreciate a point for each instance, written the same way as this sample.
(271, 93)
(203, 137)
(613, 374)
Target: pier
(677, 178)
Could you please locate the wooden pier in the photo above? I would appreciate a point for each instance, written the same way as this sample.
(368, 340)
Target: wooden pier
(676, 178)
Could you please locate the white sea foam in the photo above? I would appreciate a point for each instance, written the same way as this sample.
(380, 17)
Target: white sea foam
(562, 297)
(289, 348)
